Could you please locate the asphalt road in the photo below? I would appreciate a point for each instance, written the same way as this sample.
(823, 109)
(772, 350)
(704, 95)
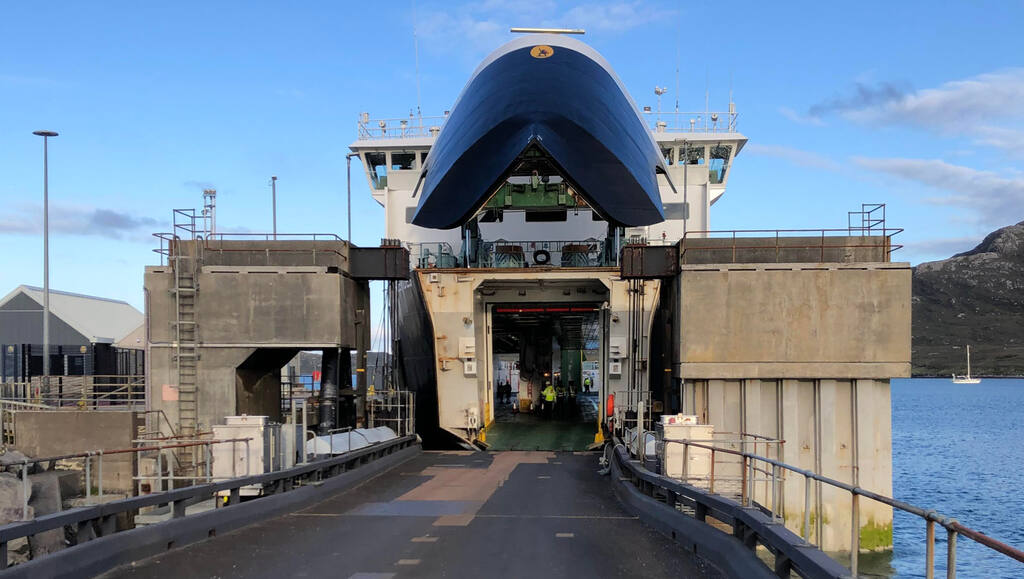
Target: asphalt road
(447, 514)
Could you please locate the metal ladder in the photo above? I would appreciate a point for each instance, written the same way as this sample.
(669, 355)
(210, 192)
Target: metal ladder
(185, 260)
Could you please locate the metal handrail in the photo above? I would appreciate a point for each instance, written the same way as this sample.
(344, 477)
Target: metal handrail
(691, 122)
(370, 129)
(751, 526)
(952, 526)
(166, 252)
(97, 516)
(274, 236)
(778, 234)
(100, 453)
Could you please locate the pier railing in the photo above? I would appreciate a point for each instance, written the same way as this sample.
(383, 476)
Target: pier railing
(87, 523)
(754, 466)
(92, 391)
(788, 246)
(174, 244)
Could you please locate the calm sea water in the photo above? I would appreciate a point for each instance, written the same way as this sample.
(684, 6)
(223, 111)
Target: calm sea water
(959, 449)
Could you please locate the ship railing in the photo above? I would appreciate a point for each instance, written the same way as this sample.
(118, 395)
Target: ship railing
(376, 129)
(789, 245)
(429, 255)
(512, 254)
(683, 122)
(754, 467)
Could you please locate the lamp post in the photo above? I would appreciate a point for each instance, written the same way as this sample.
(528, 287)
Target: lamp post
(273, 193)
(46, 254)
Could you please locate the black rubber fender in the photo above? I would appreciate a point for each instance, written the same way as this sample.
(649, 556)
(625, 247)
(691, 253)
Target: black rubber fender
(541, 257)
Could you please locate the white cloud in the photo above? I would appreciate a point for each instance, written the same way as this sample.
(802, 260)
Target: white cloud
(793, 155)
(801, 118)
(993, 199)
(988, 109)
(27, 219)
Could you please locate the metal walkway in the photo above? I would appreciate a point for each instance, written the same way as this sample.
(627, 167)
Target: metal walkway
(456, 514)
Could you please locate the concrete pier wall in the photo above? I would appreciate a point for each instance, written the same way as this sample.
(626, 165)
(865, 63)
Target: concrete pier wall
(802, 353)
(43, 433)
(256, 304)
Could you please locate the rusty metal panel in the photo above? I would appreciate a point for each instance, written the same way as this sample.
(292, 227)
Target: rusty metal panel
(649, 261)
(386, 263)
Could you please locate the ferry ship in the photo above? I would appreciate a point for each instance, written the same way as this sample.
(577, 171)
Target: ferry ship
(560, 235)
(515, 207)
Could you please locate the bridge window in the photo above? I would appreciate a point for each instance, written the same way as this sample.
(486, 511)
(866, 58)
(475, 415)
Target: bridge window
(694, 154)
(719, 162)
(667, 154)
(402, 161)
(377, 167)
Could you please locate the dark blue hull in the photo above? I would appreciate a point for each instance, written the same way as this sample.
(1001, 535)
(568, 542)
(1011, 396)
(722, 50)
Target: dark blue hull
(571, 105)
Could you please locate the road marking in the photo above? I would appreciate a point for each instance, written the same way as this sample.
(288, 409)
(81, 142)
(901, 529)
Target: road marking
(565, 535)
(408, 562)
(372, 576)
(425, 539)
(543, 476)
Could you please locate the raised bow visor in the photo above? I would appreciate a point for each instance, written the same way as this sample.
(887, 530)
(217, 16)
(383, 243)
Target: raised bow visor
(558, 94)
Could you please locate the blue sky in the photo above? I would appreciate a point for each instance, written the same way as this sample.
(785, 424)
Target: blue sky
(917, 105)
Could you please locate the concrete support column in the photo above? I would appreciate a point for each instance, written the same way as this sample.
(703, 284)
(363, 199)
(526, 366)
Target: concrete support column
(329, 391)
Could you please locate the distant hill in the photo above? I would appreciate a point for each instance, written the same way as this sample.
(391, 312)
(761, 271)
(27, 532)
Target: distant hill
(976, 298)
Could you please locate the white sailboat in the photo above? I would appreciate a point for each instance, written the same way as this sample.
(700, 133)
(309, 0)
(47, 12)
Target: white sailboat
(966, 378)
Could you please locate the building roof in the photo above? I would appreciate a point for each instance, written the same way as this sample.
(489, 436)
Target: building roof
(101, 320)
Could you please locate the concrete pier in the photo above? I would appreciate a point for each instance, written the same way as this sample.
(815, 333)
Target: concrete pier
(802, 353)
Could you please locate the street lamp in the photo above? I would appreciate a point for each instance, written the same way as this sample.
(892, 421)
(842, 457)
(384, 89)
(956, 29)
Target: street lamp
(46, 255)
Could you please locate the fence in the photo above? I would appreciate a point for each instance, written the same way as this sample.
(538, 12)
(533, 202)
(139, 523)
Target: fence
(753, 464)
(95, 391)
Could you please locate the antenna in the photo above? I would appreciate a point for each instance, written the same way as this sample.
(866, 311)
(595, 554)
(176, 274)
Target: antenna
(416, 50)
(707, 89)
(660, 90)
(678, 35)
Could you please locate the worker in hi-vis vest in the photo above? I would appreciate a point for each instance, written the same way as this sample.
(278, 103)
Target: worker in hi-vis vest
(549, 399)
